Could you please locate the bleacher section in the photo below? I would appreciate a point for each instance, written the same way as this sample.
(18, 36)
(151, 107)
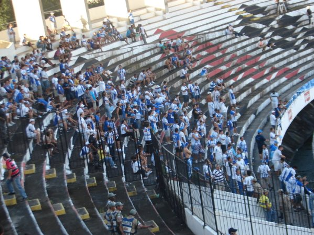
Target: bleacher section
(75, 205)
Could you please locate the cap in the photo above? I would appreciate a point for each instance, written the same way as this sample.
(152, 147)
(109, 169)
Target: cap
(65, 111)
(31, 120)
(111, 195)
(111, 204)
(132, 115)
(51, 13)
(232, 230)
(254, 179)
(308, 7)
(280, 191)
(119, 204)
(265, 191)
(275, 142)
(82, 105)
(87, 143)
(299, 176)
(1, 102)
(273, 111)
(6, 155)
(259, 131)
(133, 212)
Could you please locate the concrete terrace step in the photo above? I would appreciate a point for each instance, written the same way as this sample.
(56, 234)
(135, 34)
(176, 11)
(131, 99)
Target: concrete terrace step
(175, 3)
(58, 193)
(180, 7)
(144, 207)
(5, 218)
(36, 189)
(147, 15)
(81, 198)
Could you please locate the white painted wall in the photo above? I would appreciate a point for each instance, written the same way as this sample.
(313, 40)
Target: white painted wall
(160, 4)
(297, 105)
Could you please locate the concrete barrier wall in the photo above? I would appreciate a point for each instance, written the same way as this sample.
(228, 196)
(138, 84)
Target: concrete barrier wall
(297, 105)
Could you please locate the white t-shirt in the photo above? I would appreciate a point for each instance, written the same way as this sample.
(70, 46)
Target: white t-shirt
(248, 182)
(272, 120)
(277, 155)
(217, 152)
(272, 137)
(183, 72)
(184, 90)
(30, 130)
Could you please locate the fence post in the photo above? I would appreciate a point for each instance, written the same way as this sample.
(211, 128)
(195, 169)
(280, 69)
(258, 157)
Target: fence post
(213, 202)
(188, 179)
(201, 197)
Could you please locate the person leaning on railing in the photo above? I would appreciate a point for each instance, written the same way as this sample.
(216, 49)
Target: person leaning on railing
(265, 203)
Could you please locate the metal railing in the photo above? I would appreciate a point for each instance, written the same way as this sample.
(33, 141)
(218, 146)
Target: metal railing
(221, 205)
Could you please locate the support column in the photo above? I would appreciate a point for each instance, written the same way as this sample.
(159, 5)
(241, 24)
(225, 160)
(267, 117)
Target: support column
(116, 8)
(77, 13)
(29, 18)
(159, 4)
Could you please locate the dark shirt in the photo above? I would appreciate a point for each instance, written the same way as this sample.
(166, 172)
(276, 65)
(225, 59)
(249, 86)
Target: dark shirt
(260, 140)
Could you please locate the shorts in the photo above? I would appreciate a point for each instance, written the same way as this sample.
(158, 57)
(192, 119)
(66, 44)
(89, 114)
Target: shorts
(90, 105)
(61, 98)
(68, 96)
(260, 149)
(277, 165)
(182, 77)
(167, 132)
(197, 97)
(31, 135)
(233, 101)
(235, 124)
(186, 98)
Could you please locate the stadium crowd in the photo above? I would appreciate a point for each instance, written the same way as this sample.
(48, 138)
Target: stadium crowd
(135, 108)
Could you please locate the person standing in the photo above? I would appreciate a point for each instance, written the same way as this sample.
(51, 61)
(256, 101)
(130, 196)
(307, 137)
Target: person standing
(274, 98)
(13, 176)
(143, 33)
(265, 203)
(218, 178)
(131, 17)
(53, 23)
(248, 184)
(276, 159)
(119, 218)
(130, 224)
(11, 33)
(110, 218)
(260, 141)
(309, 14)
(264, 170)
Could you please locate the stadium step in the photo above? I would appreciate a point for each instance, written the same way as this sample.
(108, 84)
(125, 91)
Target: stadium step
(144, 207)
(111, 186)
(80, 196)
(71, 178)
(35, 188)
(35, 205)
(29, 169)
(63, 206)
(58, 209)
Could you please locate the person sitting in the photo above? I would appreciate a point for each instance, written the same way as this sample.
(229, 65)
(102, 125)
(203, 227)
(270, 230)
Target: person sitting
(261, 44)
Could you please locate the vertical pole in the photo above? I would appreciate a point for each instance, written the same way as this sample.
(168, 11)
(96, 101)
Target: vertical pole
(284, 212)
(213, 202)
(201, 197)
(188, 179)
(250, 216)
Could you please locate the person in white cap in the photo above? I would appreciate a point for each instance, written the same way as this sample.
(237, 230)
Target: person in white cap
(32, 132)
(130, 224)
(309, 14)
(273, 119)
(85, 152)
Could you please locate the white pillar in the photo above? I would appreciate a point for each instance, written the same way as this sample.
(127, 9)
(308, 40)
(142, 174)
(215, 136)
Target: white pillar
(160, 4)
(116, 8)
(29, 18)
(77, 13)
